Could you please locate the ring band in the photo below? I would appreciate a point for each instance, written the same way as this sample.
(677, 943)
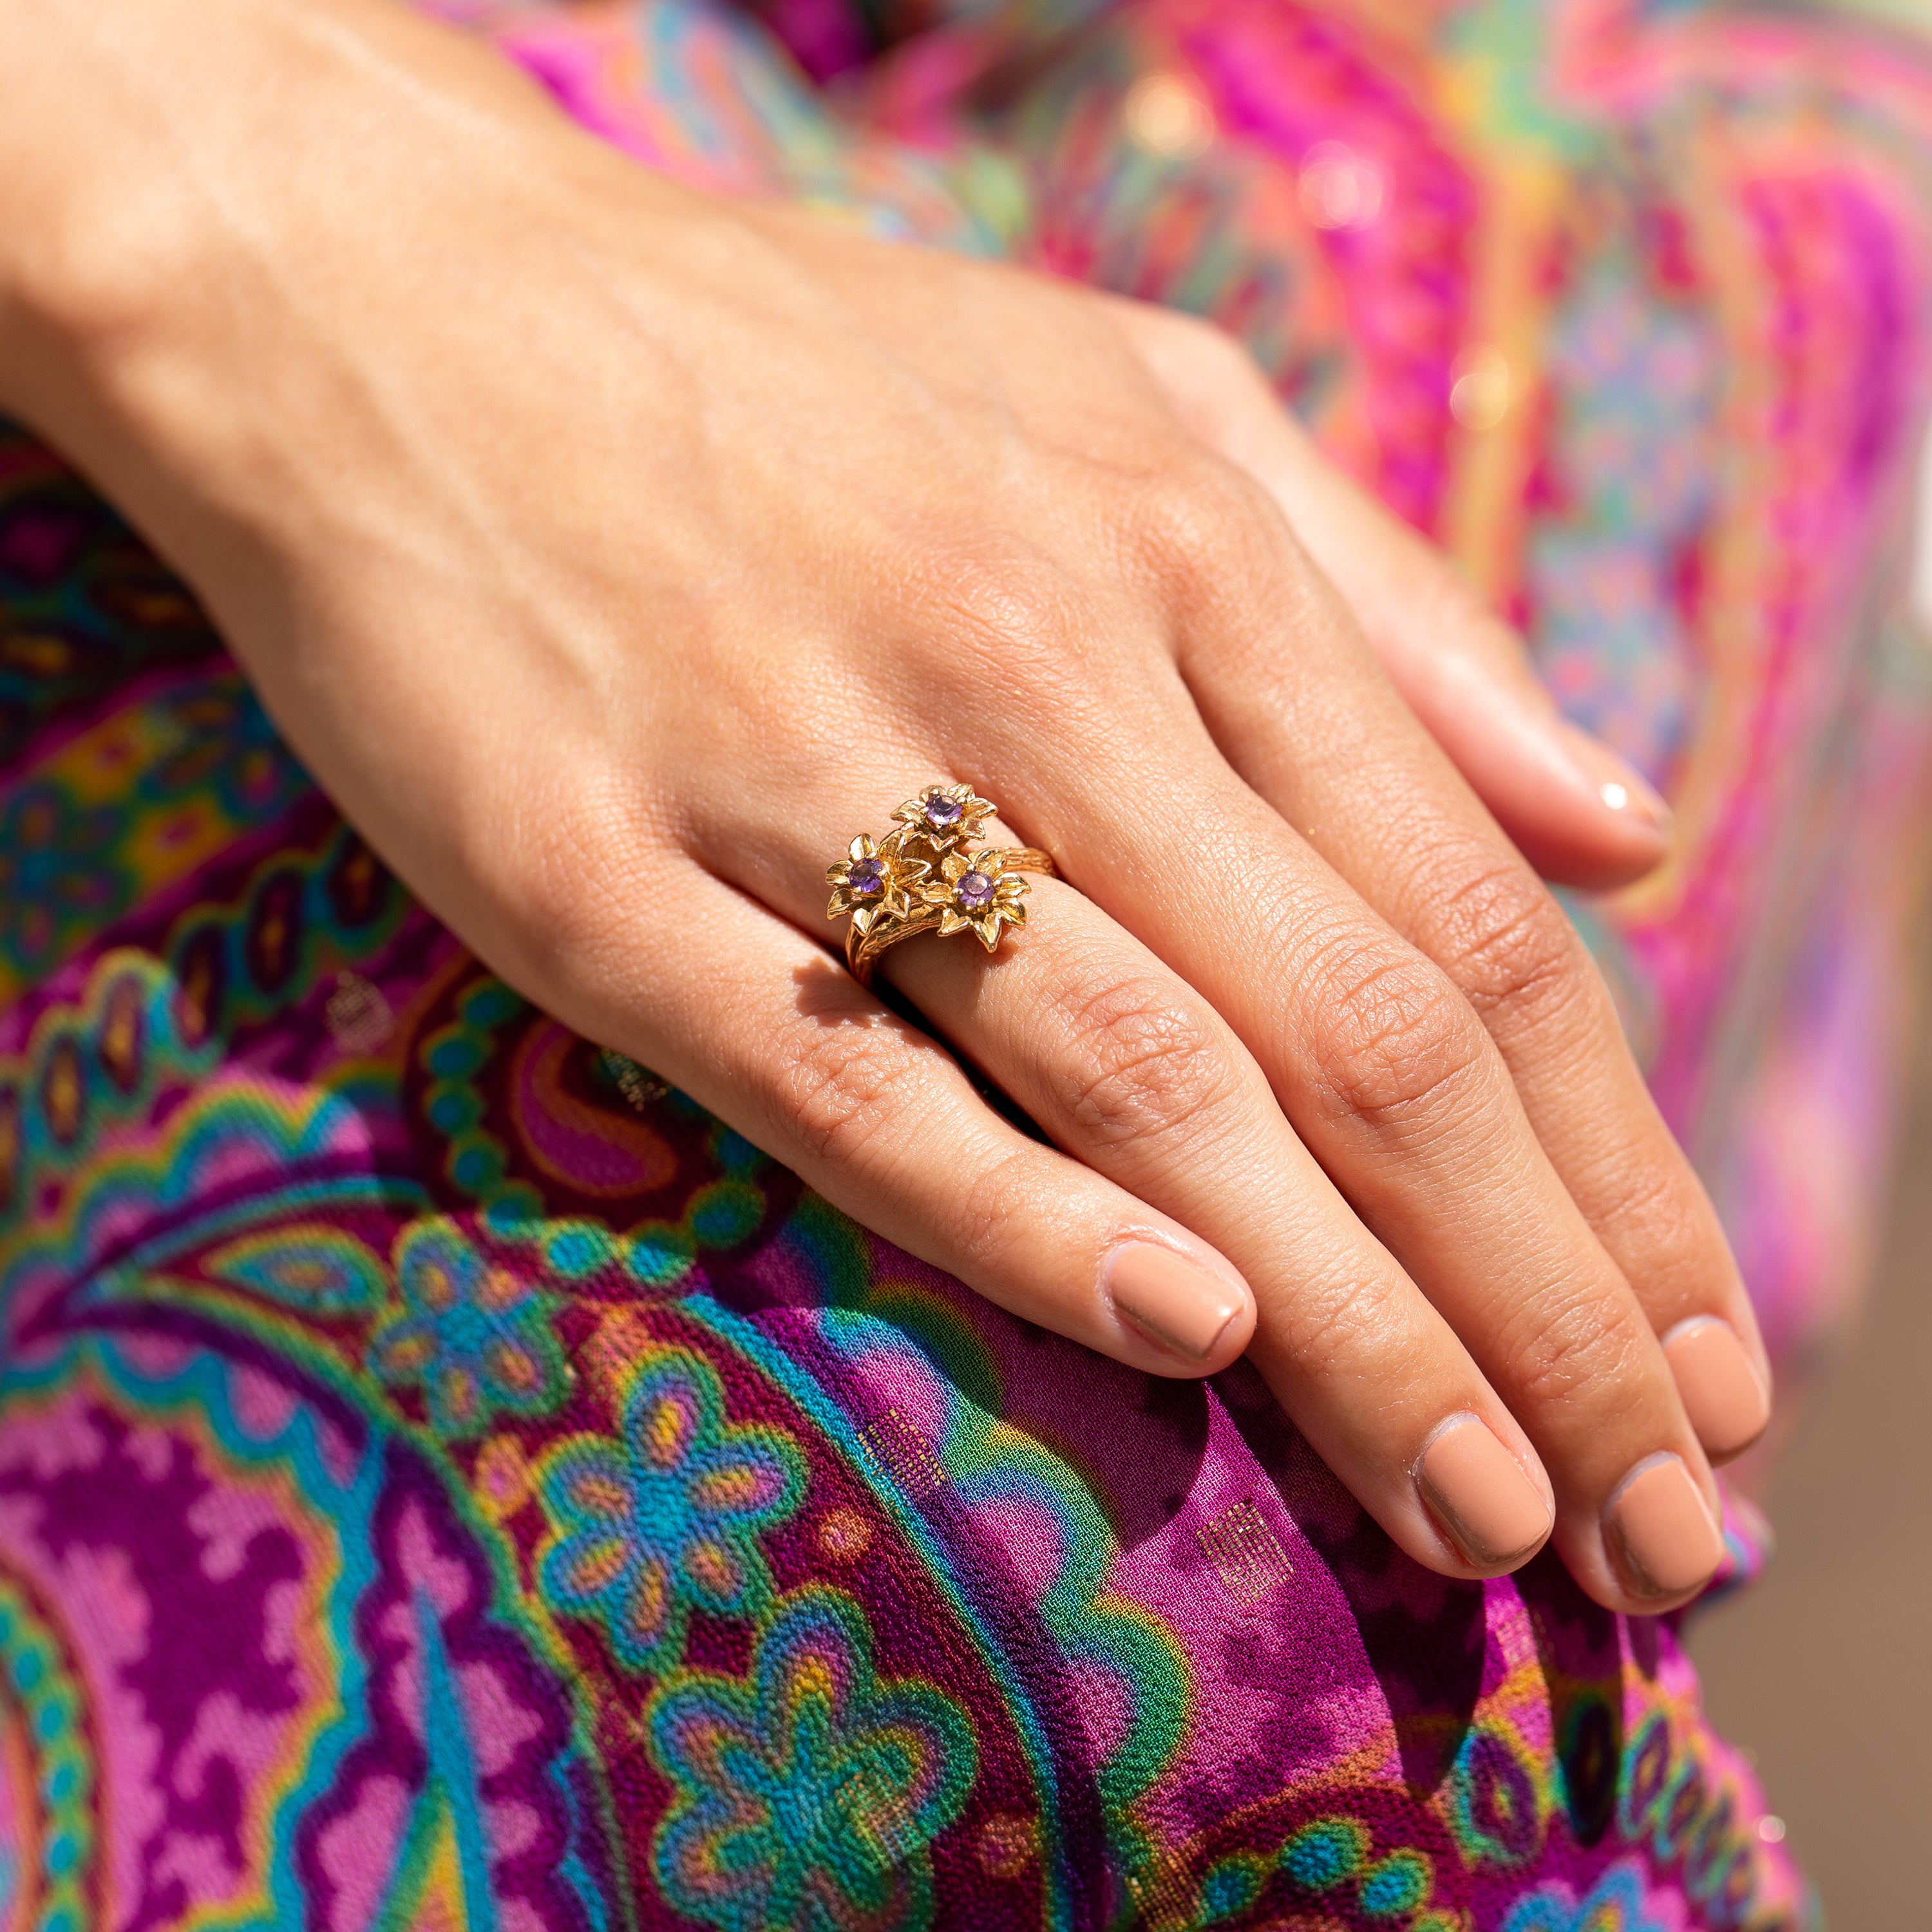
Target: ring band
(863, 949)
(924, 876)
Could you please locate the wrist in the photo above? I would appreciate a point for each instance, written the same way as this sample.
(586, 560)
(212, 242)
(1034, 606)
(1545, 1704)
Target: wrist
(220, 220)
(97, 214)
(173, 173)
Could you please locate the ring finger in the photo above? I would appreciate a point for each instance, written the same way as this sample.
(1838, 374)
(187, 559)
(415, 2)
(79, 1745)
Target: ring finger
(1128, 1069)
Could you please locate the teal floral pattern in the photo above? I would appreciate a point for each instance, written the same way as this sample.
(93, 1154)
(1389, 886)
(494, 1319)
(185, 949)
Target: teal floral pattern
(475, 1336)
(644, 1528)
(782, 1775)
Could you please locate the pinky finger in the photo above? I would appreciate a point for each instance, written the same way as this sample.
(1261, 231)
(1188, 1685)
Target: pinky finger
(775, 1037)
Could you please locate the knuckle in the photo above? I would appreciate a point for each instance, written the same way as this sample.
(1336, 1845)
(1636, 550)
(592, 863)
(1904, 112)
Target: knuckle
(1135, 1062)
(995, 610)
(1011, 647)
(1198, 519)
(1646, 1199)
(841, 1088)
(1206, 362)
(1579, 1350)
(562, 881)
(1397, 1046)
(1506, 943)
(1179, 329)
(994, 1217)
(1655, 1194)
(1217, 350)
(1324, 1327)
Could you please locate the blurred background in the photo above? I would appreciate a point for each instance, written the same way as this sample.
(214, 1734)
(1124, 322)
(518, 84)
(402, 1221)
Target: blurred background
(1824, 1670)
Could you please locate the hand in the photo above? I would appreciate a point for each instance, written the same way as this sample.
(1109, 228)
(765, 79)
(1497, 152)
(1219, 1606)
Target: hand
(612, 554)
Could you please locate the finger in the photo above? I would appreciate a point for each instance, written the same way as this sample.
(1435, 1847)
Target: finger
(1577, 812)
(1389, 1078)
(1385, 810)
(763, 1026)
(1128, 1070)
(1461, 1189)
(1134, 1076)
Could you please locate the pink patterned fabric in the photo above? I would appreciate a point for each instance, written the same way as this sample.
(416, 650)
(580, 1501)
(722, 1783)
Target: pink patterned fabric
(448, 1480)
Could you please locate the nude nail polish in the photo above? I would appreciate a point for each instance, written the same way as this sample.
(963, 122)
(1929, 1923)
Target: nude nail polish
(1619, 787)
(1660, 1531)
(1728, 1405)
(1178, 1304)
(1481, 1494)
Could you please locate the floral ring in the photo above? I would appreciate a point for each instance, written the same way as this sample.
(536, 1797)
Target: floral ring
(925, 876)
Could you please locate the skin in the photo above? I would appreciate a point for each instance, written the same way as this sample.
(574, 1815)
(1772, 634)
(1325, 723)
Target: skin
(612, 553)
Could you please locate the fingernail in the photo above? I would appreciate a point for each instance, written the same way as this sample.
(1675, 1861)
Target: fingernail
(1728, 1405)
(1175, 1302)
(1618, 784)
(1661, 1530)
(1481, 1494)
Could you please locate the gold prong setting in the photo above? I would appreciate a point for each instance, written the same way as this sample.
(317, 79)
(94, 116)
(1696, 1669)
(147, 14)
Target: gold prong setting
(977, 893)
(874, 879)
(944, 817)
(932, 872)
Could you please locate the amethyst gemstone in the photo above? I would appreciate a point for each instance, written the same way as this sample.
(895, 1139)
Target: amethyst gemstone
(867, 880)
(974, 892)
(941, 810)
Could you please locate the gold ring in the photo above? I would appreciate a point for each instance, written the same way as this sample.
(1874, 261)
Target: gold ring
(923, 876)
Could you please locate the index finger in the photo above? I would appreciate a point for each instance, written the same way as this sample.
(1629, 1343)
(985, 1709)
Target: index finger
(1384, 806)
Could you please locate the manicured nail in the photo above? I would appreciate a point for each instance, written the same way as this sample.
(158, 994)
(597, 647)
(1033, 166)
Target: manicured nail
(1481, 1494)
(1728, 1405)
(1619, 785)
(1660, 1530)
(1175, 1302)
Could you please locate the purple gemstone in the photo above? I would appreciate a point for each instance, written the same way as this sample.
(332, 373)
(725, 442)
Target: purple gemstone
(867, 879)
(974, 892)
(941, 811)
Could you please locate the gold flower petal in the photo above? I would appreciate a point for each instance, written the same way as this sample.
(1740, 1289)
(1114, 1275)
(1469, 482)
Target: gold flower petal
(841, 904)
(952, 921)
(987, 930)
(862, 847)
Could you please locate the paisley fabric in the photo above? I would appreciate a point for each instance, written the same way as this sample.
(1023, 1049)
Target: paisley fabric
(448, 1480)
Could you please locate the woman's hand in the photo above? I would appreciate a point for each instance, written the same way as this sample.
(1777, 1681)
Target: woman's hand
(614, 554)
